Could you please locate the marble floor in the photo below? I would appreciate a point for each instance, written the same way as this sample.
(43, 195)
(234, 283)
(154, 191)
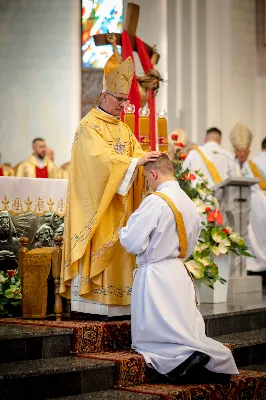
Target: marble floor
(238, 303)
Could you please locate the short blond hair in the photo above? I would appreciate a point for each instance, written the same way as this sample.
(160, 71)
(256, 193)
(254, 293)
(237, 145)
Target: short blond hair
(162, 164)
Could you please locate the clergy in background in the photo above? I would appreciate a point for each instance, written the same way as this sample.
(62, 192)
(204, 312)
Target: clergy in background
(241, 138)
(6, 170)
(105, 186)
(167, 327)
(260, 159)
(211, 159)
(38, 165)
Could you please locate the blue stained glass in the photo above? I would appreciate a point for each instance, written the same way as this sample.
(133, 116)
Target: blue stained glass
(100, 16)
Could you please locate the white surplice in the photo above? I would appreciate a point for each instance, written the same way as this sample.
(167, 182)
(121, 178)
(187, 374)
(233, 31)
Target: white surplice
(221, 158)
(166, 325)
(256, 238)
(260, 161)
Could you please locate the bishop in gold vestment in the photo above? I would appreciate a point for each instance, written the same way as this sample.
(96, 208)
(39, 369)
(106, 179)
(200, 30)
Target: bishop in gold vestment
(105, 187)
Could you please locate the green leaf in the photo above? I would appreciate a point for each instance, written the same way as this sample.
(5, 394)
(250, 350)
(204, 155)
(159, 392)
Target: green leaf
(218, 235)
(195, 268)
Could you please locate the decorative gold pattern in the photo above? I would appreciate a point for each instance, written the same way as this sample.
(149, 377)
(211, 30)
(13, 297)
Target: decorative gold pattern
(15, 206)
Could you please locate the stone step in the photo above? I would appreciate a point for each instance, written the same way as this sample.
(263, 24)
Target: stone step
(111, 395)
(235, 322)
(249, 347)
(54, 377)
(25, 342)
(247, 385)
(93, 336)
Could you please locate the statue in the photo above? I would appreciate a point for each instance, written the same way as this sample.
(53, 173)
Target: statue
(44, 237)
(8, 242)
(151, 80)
(59, 231)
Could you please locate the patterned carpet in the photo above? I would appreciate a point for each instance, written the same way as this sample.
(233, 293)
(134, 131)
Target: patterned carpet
(89, 336)
(248, 385)
(111, 341)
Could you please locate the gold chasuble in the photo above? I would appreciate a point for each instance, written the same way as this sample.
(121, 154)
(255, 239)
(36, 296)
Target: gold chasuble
(30, 169)
(102, 151)
(210, 165)
(256, 172)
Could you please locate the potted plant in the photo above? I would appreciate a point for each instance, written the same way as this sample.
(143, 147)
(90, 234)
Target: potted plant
(209, 263)
(10, 293)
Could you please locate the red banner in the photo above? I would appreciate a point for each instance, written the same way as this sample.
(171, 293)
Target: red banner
(134, 95)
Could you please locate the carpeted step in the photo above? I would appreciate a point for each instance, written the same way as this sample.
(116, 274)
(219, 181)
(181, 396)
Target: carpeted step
(25, 342)
(93, 336)
(54, 377)
(248, 347)
(88, 336)
(248, 385)
(258, 367)
(111, 395)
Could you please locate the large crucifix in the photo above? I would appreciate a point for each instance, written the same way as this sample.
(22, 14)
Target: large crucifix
(130, 25)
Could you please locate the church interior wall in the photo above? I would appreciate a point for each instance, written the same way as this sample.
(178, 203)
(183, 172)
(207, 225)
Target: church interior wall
(40, 76)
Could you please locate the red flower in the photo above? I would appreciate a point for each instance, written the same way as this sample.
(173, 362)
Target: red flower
(180, 145)
(215, 215)
(226, 231)
(174, 137)
(208, 209)
(183, 156)
(189, 177)
(10, 273)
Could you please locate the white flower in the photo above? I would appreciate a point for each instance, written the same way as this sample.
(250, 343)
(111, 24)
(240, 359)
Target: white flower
(195, 268)
(201, 247)
(200, 205)
(2, 279)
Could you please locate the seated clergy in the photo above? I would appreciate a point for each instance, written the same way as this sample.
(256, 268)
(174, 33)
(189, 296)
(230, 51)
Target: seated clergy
(211, 159)
(260, 159)
(38, 165)
(6, 170)
(167, 327)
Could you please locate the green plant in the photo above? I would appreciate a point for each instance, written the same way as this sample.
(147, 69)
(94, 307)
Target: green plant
(215, 239)
(10, 292)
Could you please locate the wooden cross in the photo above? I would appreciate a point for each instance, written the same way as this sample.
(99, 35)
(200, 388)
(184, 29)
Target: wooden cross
(130, 25)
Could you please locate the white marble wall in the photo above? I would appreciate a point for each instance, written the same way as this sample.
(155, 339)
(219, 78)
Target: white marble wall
(39, 75)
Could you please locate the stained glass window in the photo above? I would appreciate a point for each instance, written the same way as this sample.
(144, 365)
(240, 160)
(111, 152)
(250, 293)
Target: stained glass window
(99, 16)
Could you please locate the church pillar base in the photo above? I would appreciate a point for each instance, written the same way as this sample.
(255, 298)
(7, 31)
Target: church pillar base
(244, 284)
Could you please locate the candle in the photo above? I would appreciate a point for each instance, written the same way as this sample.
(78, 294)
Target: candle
(144, 128)
(162, 131)
(129, 118)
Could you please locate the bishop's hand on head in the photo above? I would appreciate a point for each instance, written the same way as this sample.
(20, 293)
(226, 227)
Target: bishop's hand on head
(152, 156)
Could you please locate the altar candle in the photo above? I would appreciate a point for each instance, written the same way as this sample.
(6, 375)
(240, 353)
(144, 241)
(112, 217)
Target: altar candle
(144, 128)
(162, 131)
(129, 118)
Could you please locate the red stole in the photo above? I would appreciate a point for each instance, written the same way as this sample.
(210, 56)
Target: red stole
(1, 171)
(41, 172)
(134, 95)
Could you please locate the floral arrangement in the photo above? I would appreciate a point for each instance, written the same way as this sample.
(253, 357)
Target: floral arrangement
(10, 292)
(215, 239)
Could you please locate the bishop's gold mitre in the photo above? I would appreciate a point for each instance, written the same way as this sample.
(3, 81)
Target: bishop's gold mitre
(240, 136)
(118, 77)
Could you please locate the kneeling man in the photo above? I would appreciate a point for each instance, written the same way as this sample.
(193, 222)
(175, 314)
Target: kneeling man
(167, 327)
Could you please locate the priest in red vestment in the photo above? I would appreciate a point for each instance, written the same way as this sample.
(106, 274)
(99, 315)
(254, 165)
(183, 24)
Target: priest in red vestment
(38, 164)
